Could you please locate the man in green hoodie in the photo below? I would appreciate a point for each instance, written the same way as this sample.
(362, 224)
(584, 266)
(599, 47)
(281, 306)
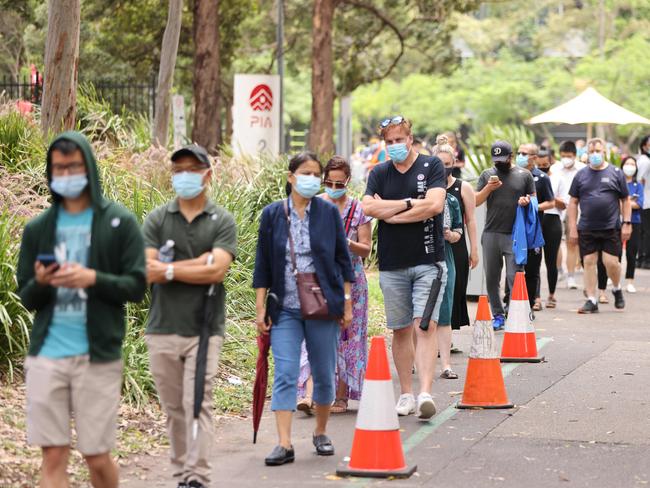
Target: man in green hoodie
(80, 261)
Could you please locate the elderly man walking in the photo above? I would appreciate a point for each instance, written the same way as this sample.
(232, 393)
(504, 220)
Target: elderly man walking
(600, 190)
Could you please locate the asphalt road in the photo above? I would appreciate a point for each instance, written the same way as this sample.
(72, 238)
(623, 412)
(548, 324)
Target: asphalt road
(582, 418)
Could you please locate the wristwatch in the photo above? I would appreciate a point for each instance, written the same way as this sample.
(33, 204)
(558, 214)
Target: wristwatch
(627, 222)
(409, 203)
(169, 272)
(347, 297)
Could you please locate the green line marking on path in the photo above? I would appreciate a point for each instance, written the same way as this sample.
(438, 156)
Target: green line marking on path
(423, 432)
(426, 430)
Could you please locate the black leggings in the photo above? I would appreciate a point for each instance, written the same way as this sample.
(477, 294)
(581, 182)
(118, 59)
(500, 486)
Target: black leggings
(532, 274)
(552, 231)
(631, 249)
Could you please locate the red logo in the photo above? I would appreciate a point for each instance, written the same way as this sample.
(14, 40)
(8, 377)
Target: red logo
(261, 98)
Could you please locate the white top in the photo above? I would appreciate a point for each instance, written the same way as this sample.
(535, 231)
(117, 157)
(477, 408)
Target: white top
(561, 179)
(643, 176)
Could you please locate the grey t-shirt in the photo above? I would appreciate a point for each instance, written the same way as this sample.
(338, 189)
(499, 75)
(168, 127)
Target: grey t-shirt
(502, 203)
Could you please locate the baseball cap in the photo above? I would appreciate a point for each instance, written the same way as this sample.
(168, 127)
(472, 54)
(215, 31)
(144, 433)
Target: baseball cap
(500, 151)
(194, 150)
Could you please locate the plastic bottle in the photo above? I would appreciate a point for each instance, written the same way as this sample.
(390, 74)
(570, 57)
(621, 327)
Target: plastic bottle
(166, 252)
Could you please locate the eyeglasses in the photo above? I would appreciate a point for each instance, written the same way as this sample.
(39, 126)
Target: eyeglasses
(193, 169)
(523, 153)
(337, 185)
(398, 119)
(72, 168)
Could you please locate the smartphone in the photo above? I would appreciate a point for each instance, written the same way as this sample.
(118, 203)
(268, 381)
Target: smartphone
(46, 259)
(494, 178)
(635, 196)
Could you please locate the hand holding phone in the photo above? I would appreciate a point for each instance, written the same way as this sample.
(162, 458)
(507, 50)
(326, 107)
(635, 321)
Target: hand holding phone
(494, 178)
(44, 268)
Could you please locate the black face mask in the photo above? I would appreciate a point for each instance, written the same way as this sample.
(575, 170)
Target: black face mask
(503, 167)
(448, 172)
(545, 170)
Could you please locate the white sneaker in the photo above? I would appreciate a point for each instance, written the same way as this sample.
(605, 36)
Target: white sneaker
(571, 283)
(630, 288)
(426, 407)
(405, 404)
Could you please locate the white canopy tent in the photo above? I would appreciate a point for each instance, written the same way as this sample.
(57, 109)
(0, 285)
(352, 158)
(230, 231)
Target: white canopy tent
(590, 107)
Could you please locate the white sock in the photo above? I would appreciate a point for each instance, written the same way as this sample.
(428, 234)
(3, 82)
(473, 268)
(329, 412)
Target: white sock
(616, 288)
(593, 300)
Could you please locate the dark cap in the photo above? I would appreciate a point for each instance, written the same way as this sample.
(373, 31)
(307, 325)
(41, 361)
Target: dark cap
(193, 150)
(500, 151)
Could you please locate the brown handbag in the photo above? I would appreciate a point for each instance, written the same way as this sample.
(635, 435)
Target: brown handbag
(313, 303)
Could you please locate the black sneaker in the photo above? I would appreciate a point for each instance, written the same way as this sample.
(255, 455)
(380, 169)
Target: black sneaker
(181, 484)
(589, 307)
(280, 456)
(196, 484)
(619, 301)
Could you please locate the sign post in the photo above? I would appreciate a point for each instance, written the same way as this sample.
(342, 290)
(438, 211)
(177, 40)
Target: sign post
(256, 115)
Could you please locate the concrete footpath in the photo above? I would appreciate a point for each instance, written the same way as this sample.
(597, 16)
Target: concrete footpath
(582, 417)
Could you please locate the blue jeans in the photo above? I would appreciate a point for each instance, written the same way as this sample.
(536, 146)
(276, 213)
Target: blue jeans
(321, 338)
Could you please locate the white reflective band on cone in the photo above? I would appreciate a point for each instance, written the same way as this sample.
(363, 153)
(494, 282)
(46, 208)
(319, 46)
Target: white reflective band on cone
(519, 317)
(377, 406)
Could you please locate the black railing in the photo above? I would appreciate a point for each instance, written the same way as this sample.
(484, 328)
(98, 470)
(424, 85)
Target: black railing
(130, 95)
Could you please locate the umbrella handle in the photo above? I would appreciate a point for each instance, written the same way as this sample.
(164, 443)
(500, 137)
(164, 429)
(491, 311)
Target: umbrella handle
(210, 261)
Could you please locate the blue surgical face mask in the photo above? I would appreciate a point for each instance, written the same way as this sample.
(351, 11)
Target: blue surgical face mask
(336, 194)
(188, 185)
(307, 186)
(595, 160)
(521, 160)
(69, 186)
(580, 151)
(398, 152)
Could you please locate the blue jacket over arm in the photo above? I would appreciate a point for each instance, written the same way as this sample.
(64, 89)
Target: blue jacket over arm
(329, 251)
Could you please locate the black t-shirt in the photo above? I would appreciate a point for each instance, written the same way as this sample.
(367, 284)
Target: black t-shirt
(543, 187)
(406, 245)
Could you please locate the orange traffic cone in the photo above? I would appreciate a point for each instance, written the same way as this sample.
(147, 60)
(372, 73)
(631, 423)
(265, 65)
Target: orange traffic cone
(377, 446)
(519, 341)
(484, 387)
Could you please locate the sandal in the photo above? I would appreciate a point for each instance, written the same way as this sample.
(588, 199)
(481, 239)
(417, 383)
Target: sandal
(448, 374)
(340, 405)
(551, 302)
(306, 405)
(537, 306)
(603, 298)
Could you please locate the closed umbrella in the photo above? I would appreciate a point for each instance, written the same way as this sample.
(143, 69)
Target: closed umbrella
(432, 299)
(202, 354)
(262, 368)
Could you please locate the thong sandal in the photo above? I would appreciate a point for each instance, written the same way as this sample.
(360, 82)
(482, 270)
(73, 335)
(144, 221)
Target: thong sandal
(448, 374)
(551, 302)
(306, 406)
(340, 405)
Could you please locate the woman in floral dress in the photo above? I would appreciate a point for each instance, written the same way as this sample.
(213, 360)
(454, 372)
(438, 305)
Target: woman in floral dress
(353, 354)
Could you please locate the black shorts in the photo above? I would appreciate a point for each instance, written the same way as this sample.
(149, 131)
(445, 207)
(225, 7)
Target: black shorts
(593, 241)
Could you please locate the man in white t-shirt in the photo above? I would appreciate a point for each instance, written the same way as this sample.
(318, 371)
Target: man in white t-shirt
(564, 171)
(643, 176)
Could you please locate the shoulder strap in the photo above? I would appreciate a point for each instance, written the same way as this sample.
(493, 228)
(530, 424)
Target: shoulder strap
(350, 216)
(291, 251)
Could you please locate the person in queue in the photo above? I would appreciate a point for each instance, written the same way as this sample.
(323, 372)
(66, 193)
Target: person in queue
(80, 262)
(452, 231)
(600, 192)
(353, 350)
(205, 244)
(407, 195)
(636, 191)
(527, 158)
(503, 187)
(302, 234)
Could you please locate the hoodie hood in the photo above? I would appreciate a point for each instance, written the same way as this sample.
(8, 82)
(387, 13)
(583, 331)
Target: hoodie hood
(96, 196)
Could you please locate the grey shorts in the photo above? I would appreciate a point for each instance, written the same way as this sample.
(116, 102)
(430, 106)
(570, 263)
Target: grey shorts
(406, 292)
(73, 387)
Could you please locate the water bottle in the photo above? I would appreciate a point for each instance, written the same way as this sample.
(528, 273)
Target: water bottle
(166, 252)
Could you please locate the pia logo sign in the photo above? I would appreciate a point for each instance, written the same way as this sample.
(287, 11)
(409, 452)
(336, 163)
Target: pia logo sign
(261, 98)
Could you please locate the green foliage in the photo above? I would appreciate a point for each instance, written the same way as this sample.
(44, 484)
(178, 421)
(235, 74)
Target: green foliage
(20, 141)
(477, 151)
(15, 321)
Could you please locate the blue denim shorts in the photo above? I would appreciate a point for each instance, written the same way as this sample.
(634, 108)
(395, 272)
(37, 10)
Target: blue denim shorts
(406, 292)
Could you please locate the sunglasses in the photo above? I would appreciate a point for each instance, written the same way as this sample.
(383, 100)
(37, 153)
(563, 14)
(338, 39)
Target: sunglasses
(398, 119)
(336, 185)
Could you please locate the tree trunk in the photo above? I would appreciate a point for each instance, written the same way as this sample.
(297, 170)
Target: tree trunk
(166, 71)
(61, 61)
(321, 134)
(206, 129)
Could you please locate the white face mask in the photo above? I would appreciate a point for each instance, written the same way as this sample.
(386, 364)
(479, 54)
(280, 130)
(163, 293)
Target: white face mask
(567, 162)
(629, 169)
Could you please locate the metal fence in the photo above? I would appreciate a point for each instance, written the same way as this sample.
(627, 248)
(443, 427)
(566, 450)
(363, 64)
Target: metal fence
(130, 95)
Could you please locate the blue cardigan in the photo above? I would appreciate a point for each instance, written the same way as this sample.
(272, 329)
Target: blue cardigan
(329, 252)
(526, 231)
